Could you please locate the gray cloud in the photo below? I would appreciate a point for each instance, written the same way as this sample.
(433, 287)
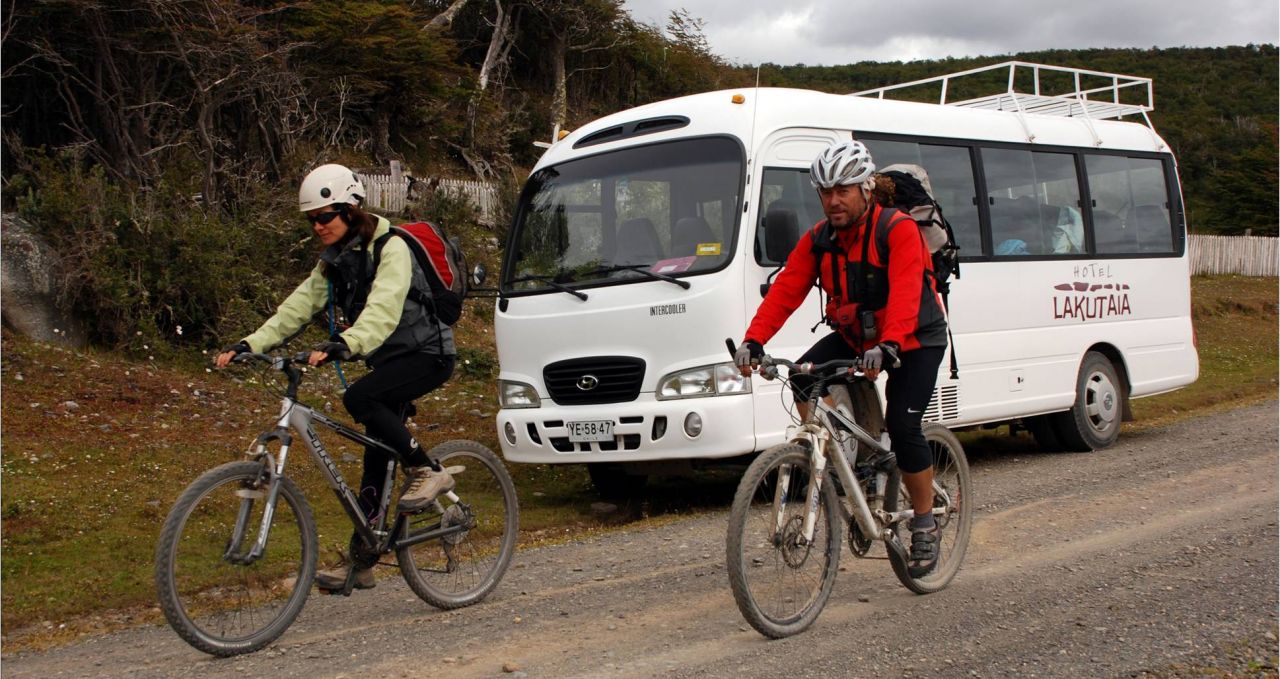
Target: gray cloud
(756, 31)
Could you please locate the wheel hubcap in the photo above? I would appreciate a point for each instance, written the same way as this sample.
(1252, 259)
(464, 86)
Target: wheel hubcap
(1102, 402)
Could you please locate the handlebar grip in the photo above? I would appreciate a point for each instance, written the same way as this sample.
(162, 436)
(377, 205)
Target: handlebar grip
(733, 349)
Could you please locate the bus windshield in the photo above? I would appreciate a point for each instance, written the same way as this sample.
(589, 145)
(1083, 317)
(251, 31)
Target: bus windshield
(669, 209)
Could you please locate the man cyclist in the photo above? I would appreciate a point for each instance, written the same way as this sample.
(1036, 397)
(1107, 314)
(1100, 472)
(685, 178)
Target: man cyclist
(875, 267)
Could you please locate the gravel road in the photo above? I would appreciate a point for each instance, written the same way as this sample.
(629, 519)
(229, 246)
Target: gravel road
(1156, 557)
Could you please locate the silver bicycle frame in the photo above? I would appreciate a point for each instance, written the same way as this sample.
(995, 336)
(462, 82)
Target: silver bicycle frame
(820, 441)
(299, 418)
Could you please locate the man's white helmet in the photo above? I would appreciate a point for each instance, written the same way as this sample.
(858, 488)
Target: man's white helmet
(842, 164)
(329, 184)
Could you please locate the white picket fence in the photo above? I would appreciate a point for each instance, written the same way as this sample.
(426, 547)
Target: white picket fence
(1241, 255)
(389, 192)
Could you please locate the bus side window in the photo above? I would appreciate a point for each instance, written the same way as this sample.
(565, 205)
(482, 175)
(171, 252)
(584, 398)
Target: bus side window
(1152, 223)
(950, 171)
(1129, 204)
(1109, 233)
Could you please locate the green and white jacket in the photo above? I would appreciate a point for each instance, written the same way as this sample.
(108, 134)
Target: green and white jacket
(388, 324)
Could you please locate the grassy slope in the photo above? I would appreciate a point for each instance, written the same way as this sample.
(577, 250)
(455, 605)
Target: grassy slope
(87, 484)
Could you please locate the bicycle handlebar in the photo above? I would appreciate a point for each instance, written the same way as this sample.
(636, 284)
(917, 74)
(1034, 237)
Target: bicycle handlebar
(769, 365)
(277, 362)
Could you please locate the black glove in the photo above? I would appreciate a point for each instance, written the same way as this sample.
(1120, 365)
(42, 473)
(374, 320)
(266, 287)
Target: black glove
(241, 347)
(882, 355)
(748, 354)
(337, 351)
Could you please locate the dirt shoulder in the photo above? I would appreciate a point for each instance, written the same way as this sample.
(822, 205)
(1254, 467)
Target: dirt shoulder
(1157, 557)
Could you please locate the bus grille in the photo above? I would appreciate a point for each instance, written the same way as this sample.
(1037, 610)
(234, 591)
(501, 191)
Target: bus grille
(945, 404)
(598, 379)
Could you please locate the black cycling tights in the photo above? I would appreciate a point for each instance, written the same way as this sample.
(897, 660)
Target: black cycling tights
(907, 394)
(376, 400)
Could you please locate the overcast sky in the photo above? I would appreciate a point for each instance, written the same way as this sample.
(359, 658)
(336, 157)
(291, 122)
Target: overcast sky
(829, 32)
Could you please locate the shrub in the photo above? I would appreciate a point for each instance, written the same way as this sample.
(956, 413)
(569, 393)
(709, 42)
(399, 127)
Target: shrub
(154, 266)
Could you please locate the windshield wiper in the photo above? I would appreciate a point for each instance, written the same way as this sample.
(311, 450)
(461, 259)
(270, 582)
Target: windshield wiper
(642, 269)
(552, 283)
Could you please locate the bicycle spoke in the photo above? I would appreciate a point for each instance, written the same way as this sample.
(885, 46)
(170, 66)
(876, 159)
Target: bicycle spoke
(217, 603)
(781, 581)
(462, 567)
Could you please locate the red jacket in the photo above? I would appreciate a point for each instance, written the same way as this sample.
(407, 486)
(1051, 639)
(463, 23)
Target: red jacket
(912, 316)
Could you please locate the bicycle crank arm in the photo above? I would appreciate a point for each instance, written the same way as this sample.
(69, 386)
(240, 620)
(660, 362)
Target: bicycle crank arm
(893, 544)
(432, 534)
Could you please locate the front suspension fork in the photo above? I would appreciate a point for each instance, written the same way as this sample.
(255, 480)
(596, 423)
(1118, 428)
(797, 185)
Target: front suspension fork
(248, 496)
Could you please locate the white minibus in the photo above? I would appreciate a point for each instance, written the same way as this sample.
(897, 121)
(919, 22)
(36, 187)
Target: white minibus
(646, 238)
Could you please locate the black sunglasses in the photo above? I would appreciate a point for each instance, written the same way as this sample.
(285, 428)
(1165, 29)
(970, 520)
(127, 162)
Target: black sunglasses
(324, 217)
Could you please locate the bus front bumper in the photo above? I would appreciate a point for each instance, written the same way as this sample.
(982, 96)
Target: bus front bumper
(643, 430)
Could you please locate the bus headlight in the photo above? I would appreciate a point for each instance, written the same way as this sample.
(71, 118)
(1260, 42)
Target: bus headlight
(517, 395)
(711, 380)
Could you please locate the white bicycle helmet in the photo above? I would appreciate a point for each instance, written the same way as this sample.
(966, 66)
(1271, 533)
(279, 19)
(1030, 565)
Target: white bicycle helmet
(329, 184)
(842, 164)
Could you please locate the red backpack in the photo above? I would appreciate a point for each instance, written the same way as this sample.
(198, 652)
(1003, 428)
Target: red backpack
(442, 263)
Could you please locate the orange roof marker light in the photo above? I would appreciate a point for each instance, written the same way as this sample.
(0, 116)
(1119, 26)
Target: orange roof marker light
(562, 134)
(739, 99)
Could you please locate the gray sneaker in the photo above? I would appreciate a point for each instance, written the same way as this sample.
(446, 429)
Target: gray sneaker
(335, 578)
(424, 486)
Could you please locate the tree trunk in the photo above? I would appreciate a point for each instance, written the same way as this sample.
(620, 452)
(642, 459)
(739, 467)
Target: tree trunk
(499, 47)
(382, 135)
(560, 98)
(445, 18)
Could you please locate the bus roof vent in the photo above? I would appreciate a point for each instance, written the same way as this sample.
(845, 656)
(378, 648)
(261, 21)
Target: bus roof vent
(1022, 87)
(634, 128)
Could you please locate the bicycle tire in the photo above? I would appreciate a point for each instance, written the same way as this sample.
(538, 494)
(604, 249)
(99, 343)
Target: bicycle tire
(754, 549)
(951, 471)
(461, 569)
(207, 598)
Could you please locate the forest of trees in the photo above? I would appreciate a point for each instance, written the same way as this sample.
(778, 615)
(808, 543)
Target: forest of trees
(158, 143)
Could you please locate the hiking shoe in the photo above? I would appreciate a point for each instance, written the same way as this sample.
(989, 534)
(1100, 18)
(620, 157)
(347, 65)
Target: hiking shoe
(335, 578)
(424, 486)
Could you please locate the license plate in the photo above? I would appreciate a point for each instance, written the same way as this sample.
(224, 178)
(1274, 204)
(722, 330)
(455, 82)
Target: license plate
(587, 432)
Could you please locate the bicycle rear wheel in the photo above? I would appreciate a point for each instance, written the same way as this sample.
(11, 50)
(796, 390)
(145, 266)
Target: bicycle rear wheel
(779, 582)
(219, 606)
(951, 472)
(462, 568)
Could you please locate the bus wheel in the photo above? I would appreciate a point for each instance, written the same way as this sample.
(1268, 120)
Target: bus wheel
(1094, 420)
(615, 482)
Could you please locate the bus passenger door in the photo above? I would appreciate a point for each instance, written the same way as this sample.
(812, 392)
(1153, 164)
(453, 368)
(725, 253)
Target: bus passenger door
(785, 206)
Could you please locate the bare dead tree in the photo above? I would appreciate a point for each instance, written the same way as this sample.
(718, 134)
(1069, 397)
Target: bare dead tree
(144, 81)
(577, 28)
(500, 43)
(445, 18)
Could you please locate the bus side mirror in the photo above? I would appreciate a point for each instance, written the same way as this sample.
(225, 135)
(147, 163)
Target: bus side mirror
(478, 275)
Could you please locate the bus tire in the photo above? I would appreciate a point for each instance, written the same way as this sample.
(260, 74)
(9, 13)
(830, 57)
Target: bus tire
(1093, 421)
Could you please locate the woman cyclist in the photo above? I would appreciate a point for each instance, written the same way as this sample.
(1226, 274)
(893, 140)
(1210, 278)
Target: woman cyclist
(408, 351)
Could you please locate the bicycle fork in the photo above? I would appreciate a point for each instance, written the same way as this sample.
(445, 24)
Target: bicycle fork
(274, 469)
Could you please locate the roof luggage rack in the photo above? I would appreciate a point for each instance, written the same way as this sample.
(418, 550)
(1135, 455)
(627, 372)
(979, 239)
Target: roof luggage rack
(1074, 101)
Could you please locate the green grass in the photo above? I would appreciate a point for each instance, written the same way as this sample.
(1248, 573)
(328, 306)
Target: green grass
(87, 485)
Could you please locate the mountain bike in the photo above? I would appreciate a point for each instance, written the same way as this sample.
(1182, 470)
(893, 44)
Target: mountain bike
(783, 543)
(237, 554)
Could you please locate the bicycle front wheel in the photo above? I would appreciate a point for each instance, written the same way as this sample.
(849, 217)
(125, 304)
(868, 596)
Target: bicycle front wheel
(461, 568)
(779, 580)
(212, 596)
(951, 474)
